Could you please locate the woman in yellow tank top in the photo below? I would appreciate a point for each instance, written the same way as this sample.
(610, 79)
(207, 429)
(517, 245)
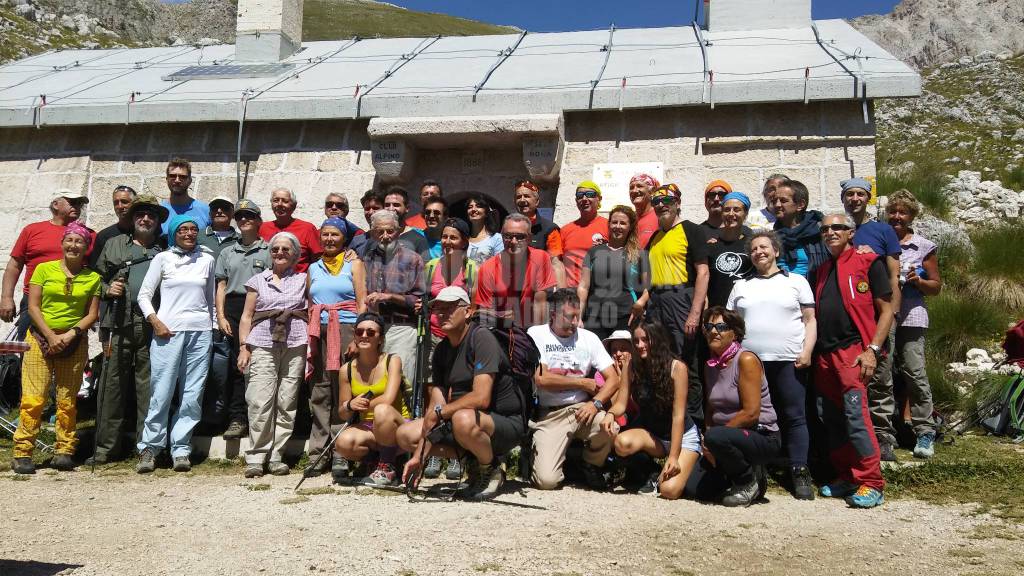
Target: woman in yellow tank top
(379, 418)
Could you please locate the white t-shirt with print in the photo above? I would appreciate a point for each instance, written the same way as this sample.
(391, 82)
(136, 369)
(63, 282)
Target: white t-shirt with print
(772, 311)
(574, 357)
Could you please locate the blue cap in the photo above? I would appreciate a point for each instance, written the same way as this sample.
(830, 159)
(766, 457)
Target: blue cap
(856, 183)
(176, 222)
(743, 198)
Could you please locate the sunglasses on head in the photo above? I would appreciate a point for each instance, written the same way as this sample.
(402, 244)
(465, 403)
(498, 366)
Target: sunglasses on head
(834, 227)
(717, 327)
(586, 194)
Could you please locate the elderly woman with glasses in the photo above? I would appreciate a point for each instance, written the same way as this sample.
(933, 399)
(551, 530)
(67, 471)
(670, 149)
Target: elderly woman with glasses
(743, 431)
(273, 357)
(182, 341)
(63, 302)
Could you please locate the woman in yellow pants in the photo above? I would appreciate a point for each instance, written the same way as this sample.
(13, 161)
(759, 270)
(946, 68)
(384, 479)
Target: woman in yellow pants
(63, 302)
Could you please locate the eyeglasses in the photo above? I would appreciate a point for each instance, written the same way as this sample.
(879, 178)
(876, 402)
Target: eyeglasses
(280, 250)
(659, 200)
(513, 237)
(188, 231)
(338, 205)
(68, 284)
(717, 327)
(834, 227)
(581, 194)
(178, 177)
(366, 332)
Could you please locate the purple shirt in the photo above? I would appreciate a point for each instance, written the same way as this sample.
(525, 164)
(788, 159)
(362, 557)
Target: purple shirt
(913, 312)
(290, 294)
(724, 395)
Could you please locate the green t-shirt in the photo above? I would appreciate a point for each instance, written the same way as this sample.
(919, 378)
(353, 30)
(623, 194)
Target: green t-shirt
(62, 311)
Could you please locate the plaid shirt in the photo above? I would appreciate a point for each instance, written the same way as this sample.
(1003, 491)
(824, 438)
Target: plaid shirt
(402, 274)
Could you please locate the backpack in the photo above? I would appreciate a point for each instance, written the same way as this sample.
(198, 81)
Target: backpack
(523, 355)
(1005, 416)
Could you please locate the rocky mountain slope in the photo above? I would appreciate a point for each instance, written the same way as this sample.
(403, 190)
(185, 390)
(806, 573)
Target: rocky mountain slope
(927, 33)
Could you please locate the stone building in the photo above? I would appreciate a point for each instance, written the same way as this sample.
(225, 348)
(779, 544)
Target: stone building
(757, 88)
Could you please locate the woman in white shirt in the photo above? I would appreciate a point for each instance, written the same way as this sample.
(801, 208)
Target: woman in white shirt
(778, 310)
(182, 340)
(484, 242)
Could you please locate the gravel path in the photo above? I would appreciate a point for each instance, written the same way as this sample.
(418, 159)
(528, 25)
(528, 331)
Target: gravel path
(119, 523)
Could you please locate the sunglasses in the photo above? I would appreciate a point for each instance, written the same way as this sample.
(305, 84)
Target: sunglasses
(366, 332)
(239, 216)
(433, 212)
(834, 227)
(177, 177)
(514, 237)
(586, 194)
(280, 250)
(714, 195)
(717, 327)
(659, 200)
(338, 205)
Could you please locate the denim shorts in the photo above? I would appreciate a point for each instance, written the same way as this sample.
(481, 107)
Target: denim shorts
(691, 441)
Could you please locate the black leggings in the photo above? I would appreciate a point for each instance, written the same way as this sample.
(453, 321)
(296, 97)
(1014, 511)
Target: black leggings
(789, 397)
(737, 450)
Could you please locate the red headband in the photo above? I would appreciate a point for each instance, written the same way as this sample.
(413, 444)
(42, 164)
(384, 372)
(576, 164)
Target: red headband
(646, 179)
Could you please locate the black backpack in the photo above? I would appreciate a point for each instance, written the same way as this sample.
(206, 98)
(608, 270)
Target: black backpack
(523, 355)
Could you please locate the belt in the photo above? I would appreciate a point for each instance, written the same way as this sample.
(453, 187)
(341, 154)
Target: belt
(670, 288)
(559, 407)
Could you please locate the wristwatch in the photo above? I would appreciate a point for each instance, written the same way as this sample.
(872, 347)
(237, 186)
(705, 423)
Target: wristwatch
(78, 331)
(876, 349)
(598, 404)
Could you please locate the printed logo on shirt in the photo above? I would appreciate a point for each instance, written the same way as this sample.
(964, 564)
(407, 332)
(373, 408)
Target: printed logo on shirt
(862, 287)
(562, 360)
(729, 263)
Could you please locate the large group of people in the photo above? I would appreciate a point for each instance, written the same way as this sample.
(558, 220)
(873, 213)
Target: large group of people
(760, 339)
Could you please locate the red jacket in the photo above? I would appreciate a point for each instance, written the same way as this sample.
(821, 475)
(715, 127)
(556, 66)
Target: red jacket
(855, 288)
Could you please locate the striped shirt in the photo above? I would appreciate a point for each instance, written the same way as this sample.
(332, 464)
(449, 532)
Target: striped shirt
(290, 294)
(913, 311)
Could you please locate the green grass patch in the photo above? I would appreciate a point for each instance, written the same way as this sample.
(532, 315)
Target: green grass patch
(258, 487)
(982, 470)
(997, 268)
(924, 180)
(316, 491)
(294, 499)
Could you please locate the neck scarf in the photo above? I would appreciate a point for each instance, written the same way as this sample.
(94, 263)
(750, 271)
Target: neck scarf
(725, 356)
(333, 264)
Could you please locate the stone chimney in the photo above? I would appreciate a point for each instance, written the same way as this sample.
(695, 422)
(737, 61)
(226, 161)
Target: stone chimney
(735, 15)
(268, 30)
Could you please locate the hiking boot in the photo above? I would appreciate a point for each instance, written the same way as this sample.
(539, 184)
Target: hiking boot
(182, 464)
(236, 430)
(865, 497)
(741, 494)
(837, 489)
(433, 467)
(384, 475)
(63, 462)
(96, 460)
(253, 470)
(886, 452)
(651, 485)
(594, 476)
(803, 486)
(925, 445)
(278, 468)
(147, 462)
(454, 470)
(339, 468)
(466, 490)
(23, 466)
(490, 478)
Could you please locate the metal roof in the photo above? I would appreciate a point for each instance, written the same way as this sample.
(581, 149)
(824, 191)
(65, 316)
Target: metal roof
(463, 75)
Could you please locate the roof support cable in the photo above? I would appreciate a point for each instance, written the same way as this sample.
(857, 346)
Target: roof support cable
(707, 63)
(502, 56)
(607, 49)
(311, 62)
(817, 38)
(128, 112)
(395, 67)
(807, 78)
(863, 85)
(239, 192)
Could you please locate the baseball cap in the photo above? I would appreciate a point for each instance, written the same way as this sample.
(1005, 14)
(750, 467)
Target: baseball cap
(452, 294)
(246, 205)
(618, 335)
(222, 200)
(69, 194)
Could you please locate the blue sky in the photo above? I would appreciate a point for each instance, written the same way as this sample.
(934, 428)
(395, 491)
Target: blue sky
(560, 15)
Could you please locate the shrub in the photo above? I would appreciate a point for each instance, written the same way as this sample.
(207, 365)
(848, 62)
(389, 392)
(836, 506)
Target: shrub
(997, 267)
(924, 180)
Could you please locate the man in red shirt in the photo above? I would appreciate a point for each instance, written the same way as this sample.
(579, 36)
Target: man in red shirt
(640, 188)
(283, 203)
(428, 189)
(580, 236)
(513, 283)
(37, 243)
(544, 234)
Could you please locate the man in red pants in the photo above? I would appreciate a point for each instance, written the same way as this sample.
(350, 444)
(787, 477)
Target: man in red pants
(854, 314)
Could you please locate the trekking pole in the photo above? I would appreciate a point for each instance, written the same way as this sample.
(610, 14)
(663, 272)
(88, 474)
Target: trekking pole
(309, 471)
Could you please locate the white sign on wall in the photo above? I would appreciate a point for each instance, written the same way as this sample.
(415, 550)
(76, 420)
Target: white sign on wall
(613, 178)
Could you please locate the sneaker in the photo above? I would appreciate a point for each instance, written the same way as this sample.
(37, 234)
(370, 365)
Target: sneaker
(278, 468)
(467, 489)
(23, 466)
(235, 431)
(182, 464)
(865, 497)
(594, 476)
(63, 462)
(741, 494)
(803, 486)
(433, 467)
(489, 480)
(384, 475)
(322, 466)
(96, 460)
(651, 485)
(454, 471)
(253, 470)
(886, 452)
(925, 446)
(147, 462)
(837, 489)
(339, 468)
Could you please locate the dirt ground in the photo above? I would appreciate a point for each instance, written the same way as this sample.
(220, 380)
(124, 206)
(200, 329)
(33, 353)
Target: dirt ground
(115, 522)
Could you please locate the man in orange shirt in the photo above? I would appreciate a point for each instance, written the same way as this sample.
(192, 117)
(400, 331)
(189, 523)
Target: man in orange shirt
(580, 236)
(544, 234)
(640, 188)
(513, 284)
(428, 189)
